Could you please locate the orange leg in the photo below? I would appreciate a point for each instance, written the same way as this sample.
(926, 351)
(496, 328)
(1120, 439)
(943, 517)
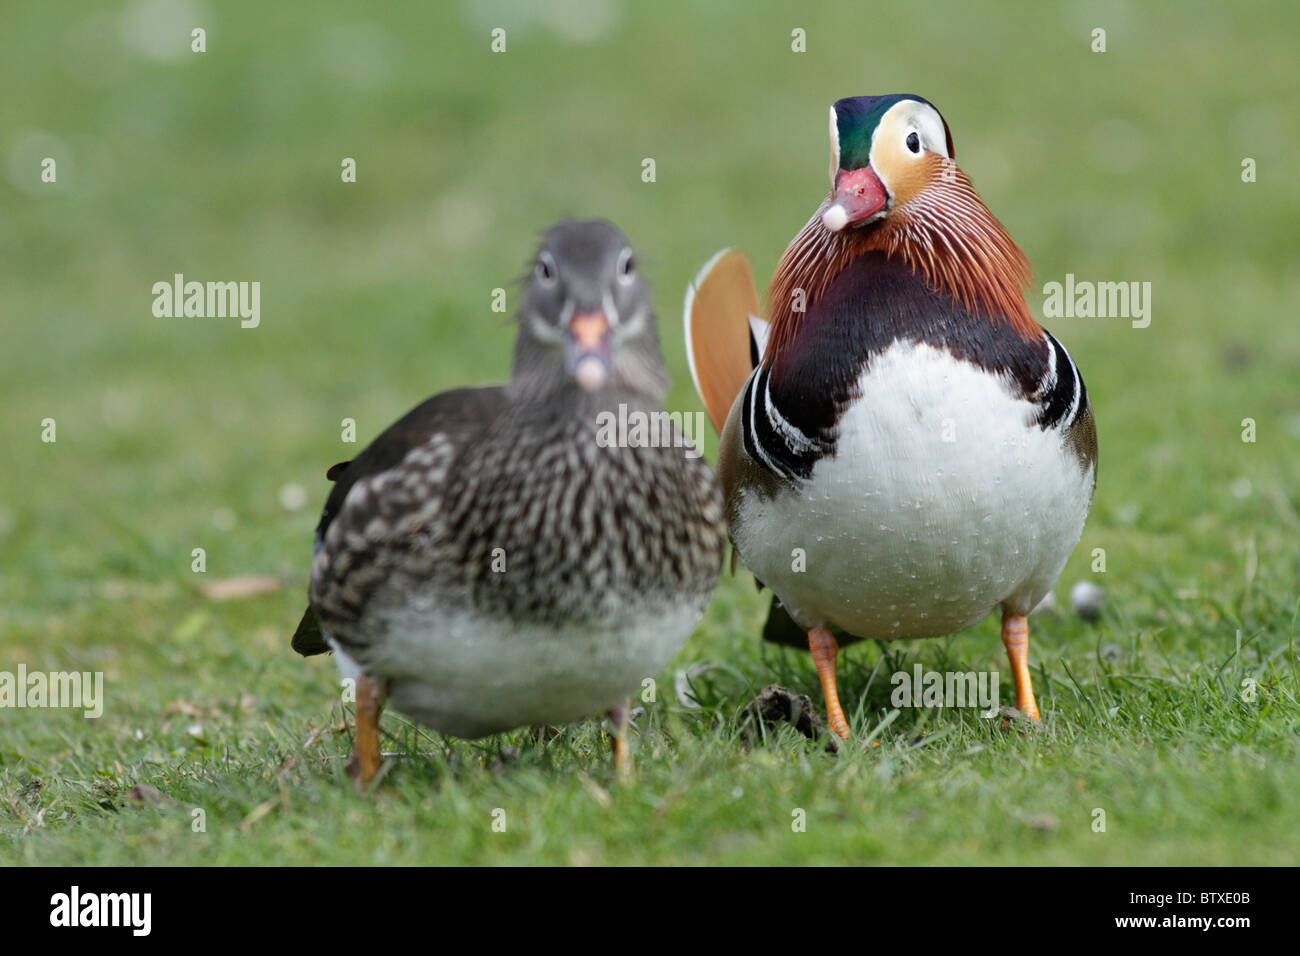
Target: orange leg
(825, 650)
(622, 761)
(1015, 637)
(365, 747)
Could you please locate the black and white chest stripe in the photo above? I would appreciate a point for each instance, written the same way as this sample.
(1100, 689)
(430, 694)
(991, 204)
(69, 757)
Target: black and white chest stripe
(1062, 396)
(770, 438)
(783, 448)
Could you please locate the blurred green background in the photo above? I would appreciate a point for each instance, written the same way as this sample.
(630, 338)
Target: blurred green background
(174, 434)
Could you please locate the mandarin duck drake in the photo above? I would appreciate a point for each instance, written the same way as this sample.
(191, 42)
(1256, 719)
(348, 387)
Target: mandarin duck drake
(489, 562)
(903, 448)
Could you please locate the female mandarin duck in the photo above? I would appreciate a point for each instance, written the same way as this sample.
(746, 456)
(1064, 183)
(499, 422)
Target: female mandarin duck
(488, 562)
(905, 449)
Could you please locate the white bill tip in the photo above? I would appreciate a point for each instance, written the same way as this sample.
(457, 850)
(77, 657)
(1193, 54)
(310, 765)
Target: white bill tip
(835, 218)
(590, 373)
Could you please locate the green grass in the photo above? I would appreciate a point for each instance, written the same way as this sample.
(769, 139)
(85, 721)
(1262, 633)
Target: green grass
(179, 434)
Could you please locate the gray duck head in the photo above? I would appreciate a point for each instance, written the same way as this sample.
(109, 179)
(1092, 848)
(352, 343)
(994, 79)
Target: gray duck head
(586, 320)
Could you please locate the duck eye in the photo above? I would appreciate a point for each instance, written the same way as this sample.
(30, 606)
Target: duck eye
(913, 142)
(545, 268)
(626, 264)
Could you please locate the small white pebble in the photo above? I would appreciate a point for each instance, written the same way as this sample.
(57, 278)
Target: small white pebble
(293, 496)
(1086, 600)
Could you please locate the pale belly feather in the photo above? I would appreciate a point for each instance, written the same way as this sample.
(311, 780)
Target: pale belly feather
(468, 676)
(944, 500)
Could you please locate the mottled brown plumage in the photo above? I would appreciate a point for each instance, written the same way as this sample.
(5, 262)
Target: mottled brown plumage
(490, 561)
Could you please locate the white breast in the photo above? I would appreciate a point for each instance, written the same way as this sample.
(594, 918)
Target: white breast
(468, 676)
(944, 500)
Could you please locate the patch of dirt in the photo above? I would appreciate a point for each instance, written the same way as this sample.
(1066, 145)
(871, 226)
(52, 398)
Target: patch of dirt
(1008, 719)
(143, 794)
(775, 705)
(507, 756)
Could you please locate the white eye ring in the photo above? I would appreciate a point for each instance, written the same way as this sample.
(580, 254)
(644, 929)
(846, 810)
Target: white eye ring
(913, 141)
(626, 267)
(545, 270)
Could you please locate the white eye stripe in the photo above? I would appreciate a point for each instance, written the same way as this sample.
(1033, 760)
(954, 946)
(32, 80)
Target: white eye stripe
(913, 116)
(626, 267)
(546, 270)
(611, 310)
(835, 144)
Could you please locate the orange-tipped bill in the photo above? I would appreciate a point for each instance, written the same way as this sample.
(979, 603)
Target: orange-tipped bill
(587, 352)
